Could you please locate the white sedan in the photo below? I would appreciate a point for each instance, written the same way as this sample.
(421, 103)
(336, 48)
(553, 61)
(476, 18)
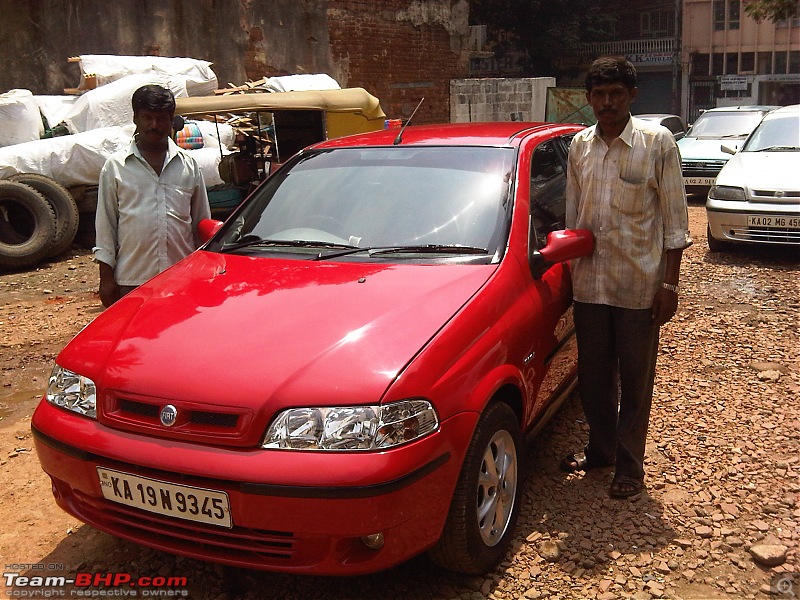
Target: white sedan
(756, 197)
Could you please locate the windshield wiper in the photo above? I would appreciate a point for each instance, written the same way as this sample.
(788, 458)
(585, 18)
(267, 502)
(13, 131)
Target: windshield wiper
(422, 249)
(778, 149)
(733, 135)
(432, 249)
(250, 241)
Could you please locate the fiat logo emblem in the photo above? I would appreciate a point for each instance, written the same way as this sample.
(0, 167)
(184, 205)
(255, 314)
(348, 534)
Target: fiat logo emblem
(168, 415)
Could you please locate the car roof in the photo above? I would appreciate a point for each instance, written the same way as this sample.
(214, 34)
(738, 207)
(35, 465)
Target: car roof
(743, 108)
(784, 110)
(655, 116)
(506, 133)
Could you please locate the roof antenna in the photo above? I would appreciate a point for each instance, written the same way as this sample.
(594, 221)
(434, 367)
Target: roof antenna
(399, 137)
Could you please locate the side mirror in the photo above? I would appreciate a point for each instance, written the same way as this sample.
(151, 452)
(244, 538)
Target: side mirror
(207, 228)
(727, 149)
(561, 246)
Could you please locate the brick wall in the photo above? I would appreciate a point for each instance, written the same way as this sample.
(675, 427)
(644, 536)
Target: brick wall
(401, 51)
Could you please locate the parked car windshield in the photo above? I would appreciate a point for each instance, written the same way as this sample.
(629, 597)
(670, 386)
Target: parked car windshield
(348, 201)
(725, 124)
(775, 133)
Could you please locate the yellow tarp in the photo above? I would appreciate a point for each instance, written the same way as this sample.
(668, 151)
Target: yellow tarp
(349, 110)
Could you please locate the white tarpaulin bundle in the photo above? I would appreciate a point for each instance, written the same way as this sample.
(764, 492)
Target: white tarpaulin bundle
(199, 79)
(77, 159)
(110, 105)
(70, 159)
(302, 82)
(20, 120)
(55, 108)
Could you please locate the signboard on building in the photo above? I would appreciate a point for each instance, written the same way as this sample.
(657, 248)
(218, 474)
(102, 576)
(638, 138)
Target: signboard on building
(642, 59)
(733, 82)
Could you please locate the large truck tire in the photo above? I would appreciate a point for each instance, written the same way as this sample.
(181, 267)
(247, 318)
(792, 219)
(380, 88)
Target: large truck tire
(27, 225)
(64, 207)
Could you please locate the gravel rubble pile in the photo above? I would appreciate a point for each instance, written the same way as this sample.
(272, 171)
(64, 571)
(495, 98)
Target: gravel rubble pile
(720, 517)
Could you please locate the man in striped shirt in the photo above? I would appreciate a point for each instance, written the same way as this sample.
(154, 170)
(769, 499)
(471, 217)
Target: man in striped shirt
(624, 184)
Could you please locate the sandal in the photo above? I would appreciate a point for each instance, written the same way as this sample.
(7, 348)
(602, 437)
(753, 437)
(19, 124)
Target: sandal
(579, 462)
(623, 486)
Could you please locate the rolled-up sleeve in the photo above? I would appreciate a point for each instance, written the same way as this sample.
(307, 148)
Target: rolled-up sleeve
(672, 200)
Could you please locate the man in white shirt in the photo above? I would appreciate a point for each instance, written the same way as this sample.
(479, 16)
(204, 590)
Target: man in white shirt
(624, 184)
(150, 199)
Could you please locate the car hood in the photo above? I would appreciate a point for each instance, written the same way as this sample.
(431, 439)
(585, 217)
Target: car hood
(762, 171)
(234, 330)
(706, 148)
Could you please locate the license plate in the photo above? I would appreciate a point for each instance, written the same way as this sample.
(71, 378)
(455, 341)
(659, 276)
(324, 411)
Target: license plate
(773, 221)
(698, 180)
(181, 501)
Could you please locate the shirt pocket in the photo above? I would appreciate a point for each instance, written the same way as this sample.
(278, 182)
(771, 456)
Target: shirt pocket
(629, 197)
(178, 202)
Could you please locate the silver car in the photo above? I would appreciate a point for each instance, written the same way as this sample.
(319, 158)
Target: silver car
(701, 158)
(756, 197)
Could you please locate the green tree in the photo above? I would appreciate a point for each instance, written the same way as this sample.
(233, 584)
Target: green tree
(774, 10)
(545, 29)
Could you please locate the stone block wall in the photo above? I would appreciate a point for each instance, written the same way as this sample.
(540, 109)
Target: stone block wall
(499, 99)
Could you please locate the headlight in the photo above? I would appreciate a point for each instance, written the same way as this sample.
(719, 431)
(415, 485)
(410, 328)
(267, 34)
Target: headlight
(72, 391)
(351, 427)
(726, 192)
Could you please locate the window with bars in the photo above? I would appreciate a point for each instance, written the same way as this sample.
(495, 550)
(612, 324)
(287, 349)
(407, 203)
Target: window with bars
(733, 14)
(727, 14)
(719, 15)
(657, 23)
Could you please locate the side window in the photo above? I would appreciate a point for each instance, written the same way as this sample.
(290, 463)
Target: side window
(548, 188)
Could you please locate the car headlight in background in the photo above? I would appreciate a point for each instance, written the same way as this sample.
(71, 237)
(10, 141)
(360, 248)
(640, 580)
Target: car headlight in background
(726, 192)
(351, 427)
(72, 391)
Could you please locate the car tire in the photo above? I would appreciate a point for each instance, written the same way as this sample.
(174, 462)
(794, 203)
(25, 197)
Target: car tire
(64, 207)
(714, 245)
(485, 507)
(27, 225)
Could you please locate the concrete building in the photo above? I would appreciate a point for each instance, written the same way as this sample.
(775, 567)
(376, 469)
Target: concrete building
(648, 33)
(728, 59)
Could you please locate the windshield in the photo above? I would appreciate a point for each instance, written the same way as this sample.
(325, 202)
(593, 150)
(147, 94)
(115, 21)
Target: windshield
(361, 202)
(725, 124)
(775, 133)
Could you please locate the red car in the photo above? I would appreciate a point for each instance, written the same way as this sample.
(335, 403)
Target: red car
(342, 377)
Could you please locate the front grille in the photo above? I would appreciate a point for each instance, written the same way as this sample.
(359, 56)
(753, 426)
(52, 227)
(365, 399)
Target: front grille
(214, 419)
(771, 235)
(776, 195)
(231, 425)
(705, 168)
(133, 408)
(139, 408)
(254, 546)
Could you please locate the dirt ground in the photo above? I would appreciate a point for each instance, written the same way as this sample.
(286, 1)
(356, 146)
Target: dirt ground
(723, 461)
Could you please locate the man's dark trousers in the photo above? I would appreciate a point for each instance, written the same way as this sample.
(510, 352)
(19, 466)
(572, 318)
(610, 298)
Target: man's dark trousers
(617, 349)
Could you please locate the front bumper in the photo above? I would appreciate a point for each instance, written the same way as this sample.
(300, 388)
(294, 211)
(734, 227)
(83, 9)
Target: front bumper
(301, 512)
(728, 222)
